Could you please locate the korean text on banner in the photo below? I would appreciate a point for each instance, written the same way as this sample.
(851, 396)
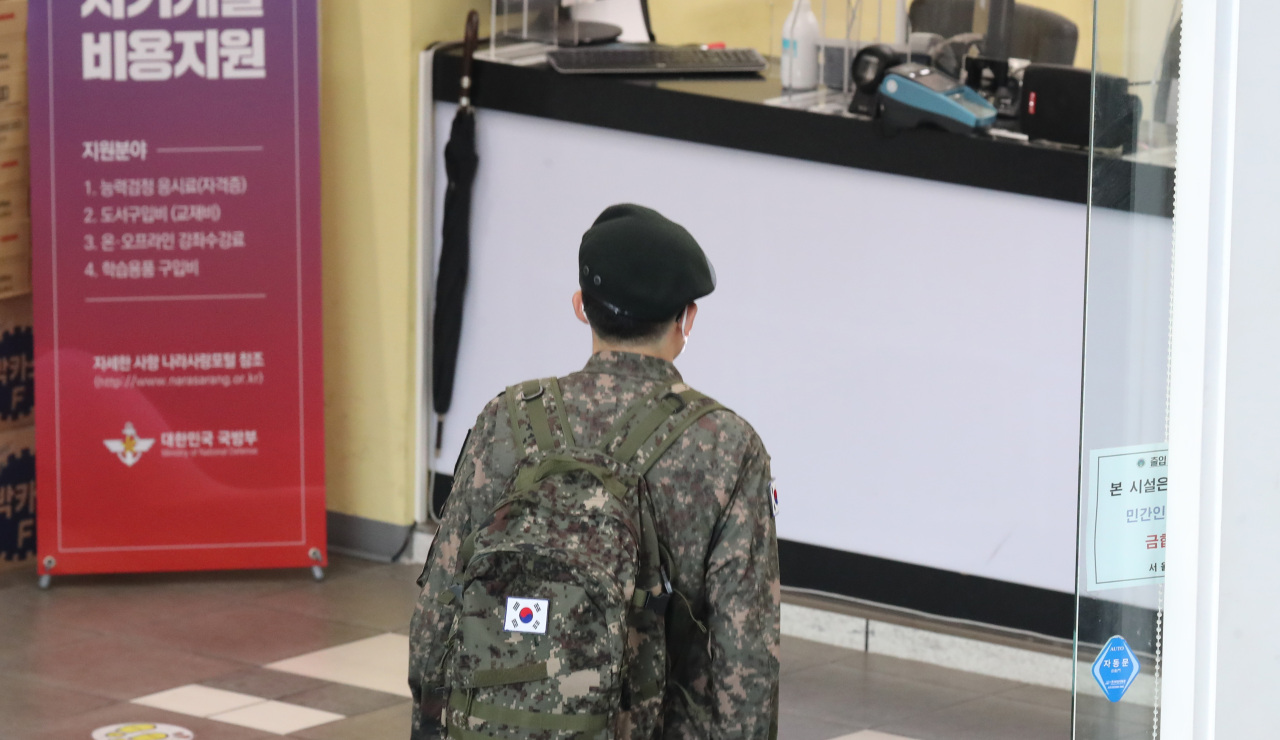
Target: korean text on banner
(175, 212)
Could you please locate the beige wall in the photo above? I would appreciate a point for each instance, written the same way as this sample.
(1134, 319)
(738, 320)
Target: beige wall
(443, 20)
(368, 134)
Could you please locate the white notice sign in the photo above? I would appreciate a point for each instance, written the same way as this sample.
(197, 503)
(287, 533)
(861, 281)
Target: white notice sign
(1125, 544)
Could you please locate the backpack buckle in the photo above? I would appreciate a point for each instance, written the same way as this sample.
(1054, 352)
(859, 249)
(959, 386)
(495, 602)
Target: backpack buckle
(658, 604)
(527, 393)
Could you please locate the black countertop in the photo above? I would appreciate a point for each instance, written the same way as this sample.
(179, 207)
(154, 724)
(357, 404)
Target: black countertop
(730, 112)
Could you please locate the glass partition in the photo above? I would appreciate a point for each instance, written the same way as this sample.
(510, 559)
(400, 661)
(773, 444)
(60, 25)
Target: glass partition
(1123, 439)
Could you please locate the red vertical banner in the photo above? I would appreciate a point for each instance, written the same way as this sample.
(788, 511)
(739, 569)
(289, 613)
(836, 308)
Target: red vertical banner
(176, 257)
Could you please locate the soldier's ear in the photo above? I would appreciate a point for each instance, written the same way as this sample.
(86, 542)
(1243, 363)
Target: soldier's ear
(578, 310)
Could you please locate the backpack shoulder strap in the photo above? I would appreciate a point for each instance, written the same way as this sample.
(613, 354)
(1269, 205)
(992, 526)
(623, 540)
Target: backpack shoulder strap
(640, 437)
(653, 434)
(537, 415)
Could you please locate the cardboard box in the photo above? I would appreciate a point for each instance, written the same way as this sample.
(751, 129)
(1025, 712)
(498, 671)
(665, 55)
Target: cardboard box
(13, 54)
(15, 258)
(15, 167)
(13, 127)
(13, 92)
(13, 18)
(15, 203)
(17, 495)
(17, 363)
(13, 70)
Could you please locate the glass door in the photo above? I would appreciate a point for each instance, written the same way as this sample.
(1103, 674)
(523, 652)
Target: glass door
(1123, 438)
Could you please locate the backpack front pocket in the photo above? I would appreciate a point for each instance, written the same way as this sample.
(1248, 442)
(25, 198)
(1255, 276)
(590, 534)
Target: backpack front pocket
(508, 658)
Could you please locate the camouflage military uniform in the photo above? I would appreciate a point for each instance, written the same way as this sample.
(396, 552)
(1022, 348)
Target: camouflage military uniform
(711, 492)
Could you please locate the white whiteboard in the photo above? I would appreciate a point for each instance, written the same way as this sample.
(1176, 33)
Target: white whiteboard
(910, 351)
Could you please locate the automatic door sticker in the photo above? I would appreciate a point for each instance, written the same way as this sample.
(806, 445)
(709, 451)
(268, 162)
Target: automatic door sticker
(526, 615)
(1116, 668)
(142, 731)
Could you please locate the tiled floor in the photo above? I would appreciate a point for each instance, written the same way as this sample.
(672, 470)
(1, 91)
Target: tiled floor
(254, 655)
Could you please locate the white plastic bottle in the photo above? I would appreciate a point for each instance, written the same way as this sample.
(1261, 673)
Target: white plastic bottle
(800, 36)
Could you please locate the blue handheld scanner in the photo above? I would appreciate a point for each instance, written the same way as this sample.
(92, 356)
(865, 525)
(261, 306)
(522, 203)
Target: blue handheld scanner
(913, 94)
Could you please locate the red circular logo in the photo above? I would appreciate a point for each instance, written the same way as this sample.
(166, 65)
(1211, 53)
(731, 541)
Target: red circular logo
(526, 615)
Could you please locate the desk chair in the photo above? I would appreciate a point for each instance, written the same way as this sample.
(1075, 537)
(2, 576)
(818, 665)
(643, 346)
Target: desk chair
(1038, 34)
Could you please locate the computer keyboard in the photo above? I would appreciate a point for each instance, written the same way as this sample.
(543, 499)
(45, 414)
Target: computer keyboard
(659, 60)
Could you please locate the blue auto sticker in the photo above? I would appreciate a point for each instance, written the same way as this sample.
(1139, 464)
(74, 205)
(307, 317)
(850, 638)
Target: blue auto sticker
(1116, 668)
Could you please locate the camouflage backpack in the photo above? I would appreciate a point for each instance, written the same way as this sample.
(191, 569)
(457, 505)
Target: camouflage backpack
(560, 600)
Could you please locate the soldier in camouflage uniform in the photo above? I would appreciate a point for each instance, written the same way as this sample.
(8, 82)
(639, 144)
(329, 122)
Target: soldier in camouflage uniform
(711, 491)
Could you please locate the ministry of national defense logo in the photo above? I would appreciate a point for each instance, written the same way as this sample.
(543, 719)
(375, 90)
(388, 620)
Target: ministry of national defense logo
(129, 450)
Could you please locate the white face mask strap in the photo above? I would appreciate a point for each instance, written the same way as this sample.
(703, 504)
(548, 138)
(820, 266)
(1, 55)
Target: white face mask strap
(683, 316)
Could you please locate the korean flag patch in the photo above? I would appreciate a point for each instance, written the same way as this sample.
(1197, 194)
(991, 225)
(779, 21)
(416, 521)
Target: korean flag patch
(526, 615)
(773, 500)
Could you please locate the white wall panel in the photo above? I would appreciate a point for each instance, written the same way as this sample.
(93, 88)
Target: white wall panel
(910, 351)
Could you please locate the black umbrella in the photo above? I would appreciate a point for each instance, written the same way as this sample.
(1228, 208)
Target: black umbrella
(460, 162)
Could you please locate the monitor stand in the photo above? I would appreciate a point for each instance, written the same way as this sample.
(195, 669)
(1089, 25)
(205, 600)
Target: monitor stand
(586, 33)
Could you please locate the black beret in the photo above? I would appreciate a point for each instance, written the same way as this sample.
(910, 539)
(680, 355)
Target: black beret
(642, 265)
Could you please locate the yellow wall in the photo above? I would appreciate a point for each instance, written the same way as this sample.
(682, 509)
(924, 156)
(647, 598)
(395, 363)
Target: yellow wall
(366, 113)
(443, 20)
(368, 118)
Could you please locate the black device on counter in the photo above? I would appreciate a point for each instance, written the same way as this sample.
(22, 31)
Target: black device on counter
(870, 64)
(1055, 107)
(868, 69)
(992, 79)
(917, 95)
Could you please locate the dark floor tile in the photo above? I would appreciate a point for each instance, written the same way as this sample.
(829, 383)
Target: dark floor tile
(111, 603)
(995, 718)
(798, 654)
(349, 701)
(915, 670)
(16, 575)
(22, 631)
(392, 722)
(29, 703)
(800, 727)
(846, 694)
(122, 668)
(263, 682)
(986, 719)
(384, 604)
(1093, 706)
(130, 606)
(344, 565)
(402, 572)
(81, 727)
(253, 634)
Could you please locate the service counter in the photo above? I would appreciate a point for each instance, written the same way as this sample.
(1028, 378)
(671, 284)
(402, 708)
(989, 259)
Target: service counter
(900, 318)
(731, 112)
